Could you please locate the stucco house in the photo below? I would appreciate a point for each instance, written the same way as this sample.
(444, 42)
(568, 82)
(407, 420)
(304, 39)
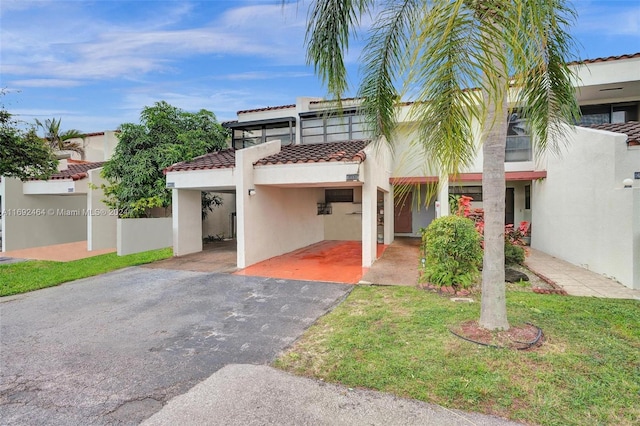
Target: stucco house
(68, 207)
(305, 172)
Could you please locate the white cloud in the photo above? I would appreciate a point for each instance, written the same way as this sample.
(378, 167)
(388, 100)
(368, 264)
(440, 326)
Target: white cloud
(612, 18)
(46, 82)
(93, 47)
(263, 75)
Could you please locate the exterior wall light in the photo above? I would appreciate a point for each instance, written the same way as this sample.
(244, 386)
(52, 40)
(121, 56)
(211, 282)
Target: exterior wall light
(628, 183)
(252, 192)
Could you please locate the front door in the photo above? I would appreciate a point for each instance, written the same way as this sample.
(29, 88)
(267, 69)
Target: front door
(508, 207)
(402, 223)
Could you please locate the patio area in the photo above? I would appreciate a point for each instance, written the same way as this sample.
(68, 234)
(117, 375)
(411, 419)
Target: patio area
(330, 261)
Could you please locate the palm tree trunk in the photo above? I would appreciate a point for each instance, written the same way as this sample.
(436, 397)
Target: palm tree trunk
(493, 313)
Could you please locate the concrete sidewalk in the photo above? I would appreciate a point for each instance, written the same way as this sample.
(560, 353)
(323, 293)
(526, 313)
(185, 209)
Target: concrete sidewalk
(243, 394)
(575, 280)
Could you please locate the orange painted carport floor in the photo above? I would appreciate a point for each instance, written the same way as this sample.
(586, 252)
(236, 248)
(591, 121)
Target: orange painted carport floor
(331, 261)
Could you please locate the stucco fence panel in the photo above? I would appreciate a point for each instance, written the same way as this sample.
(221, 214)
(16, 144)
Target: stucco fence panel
(138, 235)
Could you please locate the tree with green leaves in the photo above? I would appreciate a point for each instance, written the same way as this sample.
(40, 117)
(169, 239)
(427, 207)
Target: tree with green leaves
(461, 62)
(166, 135)
(61, 141)
(23, 155)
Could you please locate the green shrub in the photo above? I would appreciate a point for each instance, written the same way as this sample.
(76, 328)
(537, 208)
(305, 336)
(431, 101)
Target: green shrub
(452, 252)
(513, 254)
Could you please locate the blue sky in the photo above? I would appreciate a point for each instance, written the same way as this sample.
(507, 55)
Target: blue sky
(96, 64)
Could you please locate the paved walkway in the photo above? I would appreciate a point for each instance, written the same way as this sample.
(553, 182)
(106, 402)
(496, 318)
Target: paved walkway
(261, 395)
(58, 252)
(217, 256)
(575, 280)
(398, 264)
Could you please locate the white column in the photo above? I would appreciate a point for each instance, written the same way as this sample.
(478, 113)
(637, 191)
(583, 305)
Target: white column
(369, 214)
(443, 198)
(187, 221)
(388, 217)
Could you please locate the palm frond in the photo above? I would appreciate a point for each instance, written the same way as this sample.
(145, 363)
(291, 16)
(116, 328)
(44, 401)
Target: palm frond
(546, 92)
(382, 61)
(330, 24)
(443, 71)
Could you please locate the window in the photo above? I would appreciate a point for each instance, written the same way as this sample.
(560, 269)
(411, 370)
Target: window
(338, 195)
(332, 127)
(527, 197)
(608, 113)
(474, 192)
(518, 146)
(256, 132)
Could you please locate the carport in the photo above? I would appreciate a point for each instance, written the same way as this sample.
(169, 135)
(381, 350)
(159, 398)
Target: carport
(280, 196)
(66, 208)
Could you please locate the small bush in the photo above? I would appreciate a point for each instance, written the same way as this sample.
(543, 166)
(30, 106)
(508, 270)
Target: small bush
(452, 252)
(513, 254)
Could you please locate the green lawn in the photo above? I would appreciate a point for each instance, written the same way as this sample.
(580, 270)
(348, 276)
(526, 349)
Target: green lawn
(32, 275)
(397, 339)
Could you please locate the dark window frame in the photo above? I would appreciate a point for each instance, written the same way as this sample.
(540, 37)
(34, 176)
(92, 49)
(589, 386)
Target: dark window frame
(352, 119)
(338, 195)
(239, 138)
(473, 191)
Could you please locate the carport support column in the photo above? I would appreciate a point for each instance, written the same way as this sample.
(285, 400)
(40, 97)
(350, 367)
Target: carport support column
(248, 212)
(369, 222)
(443, 197)
(388, 216)
(187, 221)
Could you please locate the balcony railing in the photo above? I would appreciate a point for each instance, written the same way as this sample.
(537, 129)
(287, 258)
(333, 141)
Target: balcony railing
(518, 149)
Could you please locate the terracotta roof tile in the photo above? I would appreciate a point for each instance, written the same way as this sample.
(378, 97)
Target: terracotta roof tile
(271, 108)
(290, 154)
(214, 160)
(76, 171)
(607, 59)
(631, 129)
(318, 153)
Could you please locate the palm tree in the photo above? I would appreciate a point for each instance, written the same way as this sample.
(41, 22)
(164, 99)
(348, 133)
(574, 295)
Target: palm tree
(61, 141)
(453, 58)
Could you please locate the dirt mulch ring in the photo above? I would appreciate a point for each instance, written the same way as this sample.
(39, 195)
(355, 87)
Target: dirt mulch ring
(521, 337)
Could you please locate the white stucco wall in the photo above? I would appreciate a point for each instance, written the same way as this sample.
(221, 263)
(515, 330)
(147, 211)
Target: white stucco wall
(218, 222)
(375, 174)
(97, 147)
(635, 261)
(102, 222)
(581, 213)
(44, 219)
(345, 222)
(138, 235)
(280, 220)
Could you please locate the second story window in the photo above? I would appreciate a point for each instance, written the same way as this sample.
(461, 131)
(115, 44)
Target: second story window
(332, 127)
(246, 134)
(608, 113)
(518, 140)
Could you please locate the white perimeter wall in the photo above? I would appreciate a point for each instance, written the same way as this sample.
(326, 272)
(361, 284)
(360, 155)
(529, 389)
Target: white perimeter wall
(102, 223)
(581, 213)
(37, 230)
(138, 235)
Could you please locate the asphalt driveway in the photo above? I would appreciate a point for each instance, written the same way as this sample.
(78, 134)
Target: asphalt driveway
(112, 349)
